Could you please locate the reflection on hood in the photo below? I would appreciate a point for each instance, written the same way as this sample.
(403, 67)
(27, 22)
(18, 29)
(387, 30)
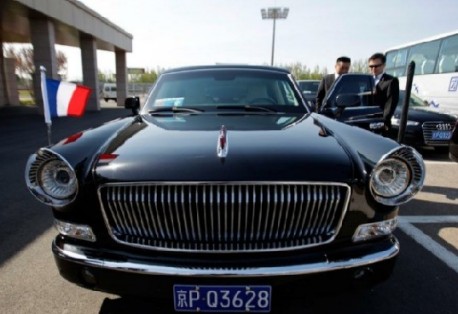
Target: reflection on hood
(205, 122)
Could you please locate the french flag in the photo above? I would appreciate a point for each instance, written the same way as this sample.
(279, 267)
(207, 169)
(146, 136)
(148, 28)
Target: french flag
(66, 99)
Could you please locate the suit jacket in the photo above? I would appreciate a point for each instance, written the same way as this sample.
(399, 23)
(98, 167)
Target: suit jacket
(325, 86)
(387, 96)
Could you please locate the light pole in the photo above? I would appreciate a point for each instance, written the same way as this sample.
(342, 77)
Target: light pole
(274, 14)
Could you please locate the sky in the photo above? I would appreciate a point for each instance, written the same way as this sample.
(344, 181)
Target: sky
(174, 33)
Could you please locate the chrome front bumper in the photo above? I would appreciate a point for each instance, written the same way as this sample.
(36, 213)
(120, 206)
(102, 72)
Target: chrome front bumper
(90, 258)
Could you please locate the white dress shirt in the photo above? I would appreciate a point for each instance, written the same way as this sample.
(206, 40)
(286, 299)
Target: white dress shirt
(377, 78)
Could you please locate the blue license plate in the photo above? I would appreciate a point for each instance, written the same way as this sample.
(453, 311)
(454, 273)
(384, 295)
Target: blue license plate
(441, 135)
(192, 298)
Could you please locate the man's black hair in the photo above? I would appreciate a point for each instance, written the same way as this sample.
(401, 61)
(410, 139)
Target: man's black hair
(378, 55)
(343, 59)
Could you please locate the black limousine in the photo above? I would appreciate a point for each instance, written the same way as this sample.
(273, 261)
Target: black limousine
(222, 189)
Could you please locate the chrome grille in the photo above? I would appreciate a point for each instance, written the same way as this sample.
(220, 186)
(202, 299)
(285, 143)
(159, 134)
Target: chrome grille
(429, 127)
(224, 217)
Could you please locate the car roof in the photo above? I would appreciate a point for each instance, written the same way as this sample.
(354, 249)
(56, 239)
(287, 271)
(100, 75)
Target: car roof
(227, 67)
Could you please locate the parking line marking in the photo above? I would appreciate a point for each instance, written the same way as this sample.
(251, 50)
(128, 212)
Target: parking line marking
(439, 162)
(449, 258)
(429, 219)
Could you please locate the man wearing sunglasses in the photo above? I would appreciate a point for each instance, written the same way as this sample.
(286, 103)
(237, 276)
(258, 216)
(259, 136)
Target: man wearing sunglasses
(386, 91)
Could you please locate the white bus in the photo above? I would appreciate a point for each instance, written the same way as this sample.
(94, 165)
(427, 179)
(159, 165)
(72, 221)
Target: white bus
(436, 69)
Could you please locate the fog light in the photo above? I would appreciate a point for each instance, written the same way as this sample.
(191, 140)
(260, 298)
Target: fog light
(82, 232)
(374, 230)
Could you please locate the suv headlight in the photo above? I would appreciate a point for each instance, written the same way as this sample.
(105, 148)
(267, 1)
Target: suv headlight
(51, 179)
(398, 176)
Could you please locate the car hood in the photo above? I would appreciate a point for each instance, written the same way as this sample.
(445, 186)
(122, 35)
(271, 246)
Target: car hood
(259, 147)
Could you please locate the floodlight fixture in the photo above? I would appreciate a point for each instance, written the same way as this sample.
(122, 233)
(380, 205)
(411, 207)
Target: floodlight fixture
(274, 14)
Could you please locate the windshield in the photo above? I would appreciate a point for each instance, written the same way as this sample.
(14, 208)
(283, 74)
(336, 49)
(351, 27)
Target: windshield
(210, 90)
(414, 100)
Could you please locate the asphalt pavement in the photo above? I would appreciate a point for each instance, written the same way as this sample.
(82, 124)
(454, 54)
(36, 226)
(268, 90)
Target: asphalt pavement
(22, 132)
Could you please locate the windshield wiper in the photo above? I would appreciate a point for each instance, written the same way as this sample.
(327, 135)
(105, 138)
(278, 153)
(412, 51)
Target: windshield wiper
(247, 108)
(174, 109)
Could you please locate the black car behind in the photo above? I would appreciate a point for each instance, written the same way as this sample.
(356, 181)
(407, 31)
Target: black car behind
(309, 89)
(425, 128)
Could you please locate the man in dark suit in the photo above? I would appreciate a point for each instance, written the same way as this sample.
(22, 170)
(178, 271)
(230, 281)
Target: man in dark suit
(342, 66)
(386, 92)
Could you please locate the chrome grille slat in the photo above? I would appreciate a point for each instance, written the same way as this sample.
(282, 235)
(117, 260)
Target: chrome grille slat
(158, 224)
(149, 220)
(259, 231)
(224, 217)
(140, 221)
(186, 221)
(280, 211)
(115, 213)
(274, 213)
(164, 214)
(308, 204)
(332, 203)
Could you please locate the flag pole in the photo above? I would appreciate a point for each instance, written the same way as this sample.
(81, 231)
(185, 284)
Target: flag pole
(44, 92)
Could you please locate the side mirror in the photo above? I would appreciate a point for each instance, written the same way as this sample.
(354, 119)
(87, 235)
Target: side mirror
(348, 100)
(132, 103)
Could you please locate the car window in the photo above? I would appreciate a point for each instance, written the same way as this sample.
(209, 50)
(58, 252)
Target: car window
(352, 84)
(414, 100)
(424, 56)
(309, 87)
(216, 89)
(396, 62)
(448, 57)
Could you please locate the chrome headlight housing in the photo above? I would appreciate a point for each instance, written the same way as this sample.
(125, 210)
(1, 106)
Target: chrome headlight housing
(51, 179)
(398, 176)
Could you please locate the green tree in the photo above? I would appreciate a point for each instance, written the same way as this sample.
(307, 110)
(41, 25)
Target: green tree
(105, 77)
(150, 76)
(302, 72)
(360, 66)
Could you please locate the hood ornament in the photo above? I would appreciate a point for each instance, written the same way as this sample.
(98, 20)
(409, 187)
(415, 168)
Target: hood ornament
(222, 145)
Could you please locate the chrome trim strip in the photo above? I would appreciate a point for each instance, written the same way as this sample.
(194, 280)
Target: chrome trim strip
(74, 254)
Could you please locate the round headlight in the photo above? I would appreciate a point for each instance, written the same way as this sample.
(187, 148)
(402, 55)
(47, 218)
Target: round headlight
(390, 178)
(57, 179)
(398, 176)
